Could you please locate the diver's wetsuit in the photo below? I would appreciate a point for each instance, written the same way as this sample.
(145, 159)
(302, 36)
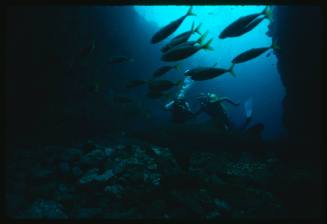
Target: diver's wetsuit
(180, 108)
(181, 111)
(217, 112)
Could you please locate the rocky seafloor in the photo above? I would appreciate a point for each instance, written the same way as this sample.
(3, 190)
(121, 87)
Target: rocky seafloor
(144, 181)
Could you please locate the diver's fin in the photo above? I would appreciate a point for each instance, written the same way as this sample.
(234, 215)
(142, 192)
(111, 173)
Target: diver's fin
(189, 12)
(225, 107)
(197, 29)
(207, 46)
(231, 70)
(248, 108)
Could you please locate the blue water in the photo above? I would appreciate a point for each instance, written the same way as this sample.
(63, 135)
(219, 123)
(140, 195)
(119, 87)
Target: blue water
(257, 79)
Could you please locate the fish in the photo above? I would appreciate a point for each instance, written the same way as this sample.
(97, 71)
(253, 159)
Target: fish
(162, 85)
(243, 24)
(167, 30)
(252, 53)
(120, 59)
(252, 24)
(181, 38)
(168, 46)
(183, 51)
(164, 69)
(135, 83)
(205, 73)
(165, 48)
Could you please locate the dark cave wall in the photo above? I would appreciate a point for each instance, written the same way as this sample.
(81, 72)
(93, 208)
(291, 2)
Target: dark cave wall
(298, 30)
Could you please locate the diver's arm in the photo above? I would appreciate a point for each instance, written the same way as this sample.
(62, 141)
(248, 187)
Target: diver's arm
(169, 105)
(228, 100)
(188, 106)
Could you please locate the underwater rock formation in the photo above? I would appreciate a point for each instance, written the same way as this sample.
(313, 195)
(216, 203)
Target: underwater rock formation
(298, 31)
(144, 181)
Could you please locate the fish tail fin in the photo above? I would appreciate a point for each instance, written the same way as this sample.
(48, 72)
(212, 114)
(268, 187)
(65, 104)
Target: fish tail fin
(202, 37)
(231, 70)
(192, 27)
(215, 64)
(197, 29)
(275, 45)
(177, 67)
(207, 46)
(267, 12)
(190, 12)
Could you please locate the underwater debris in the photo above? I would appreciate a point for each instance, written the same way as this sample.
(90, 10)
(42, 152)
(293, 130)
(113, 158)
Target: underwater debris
(120, 60)
(244, 24)
(164, 69)
(205, 73)
(170, 28)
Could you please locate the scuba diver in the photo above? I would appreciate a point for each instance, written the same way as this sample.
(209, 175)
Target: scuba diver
(211, 104)
(179, 107)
